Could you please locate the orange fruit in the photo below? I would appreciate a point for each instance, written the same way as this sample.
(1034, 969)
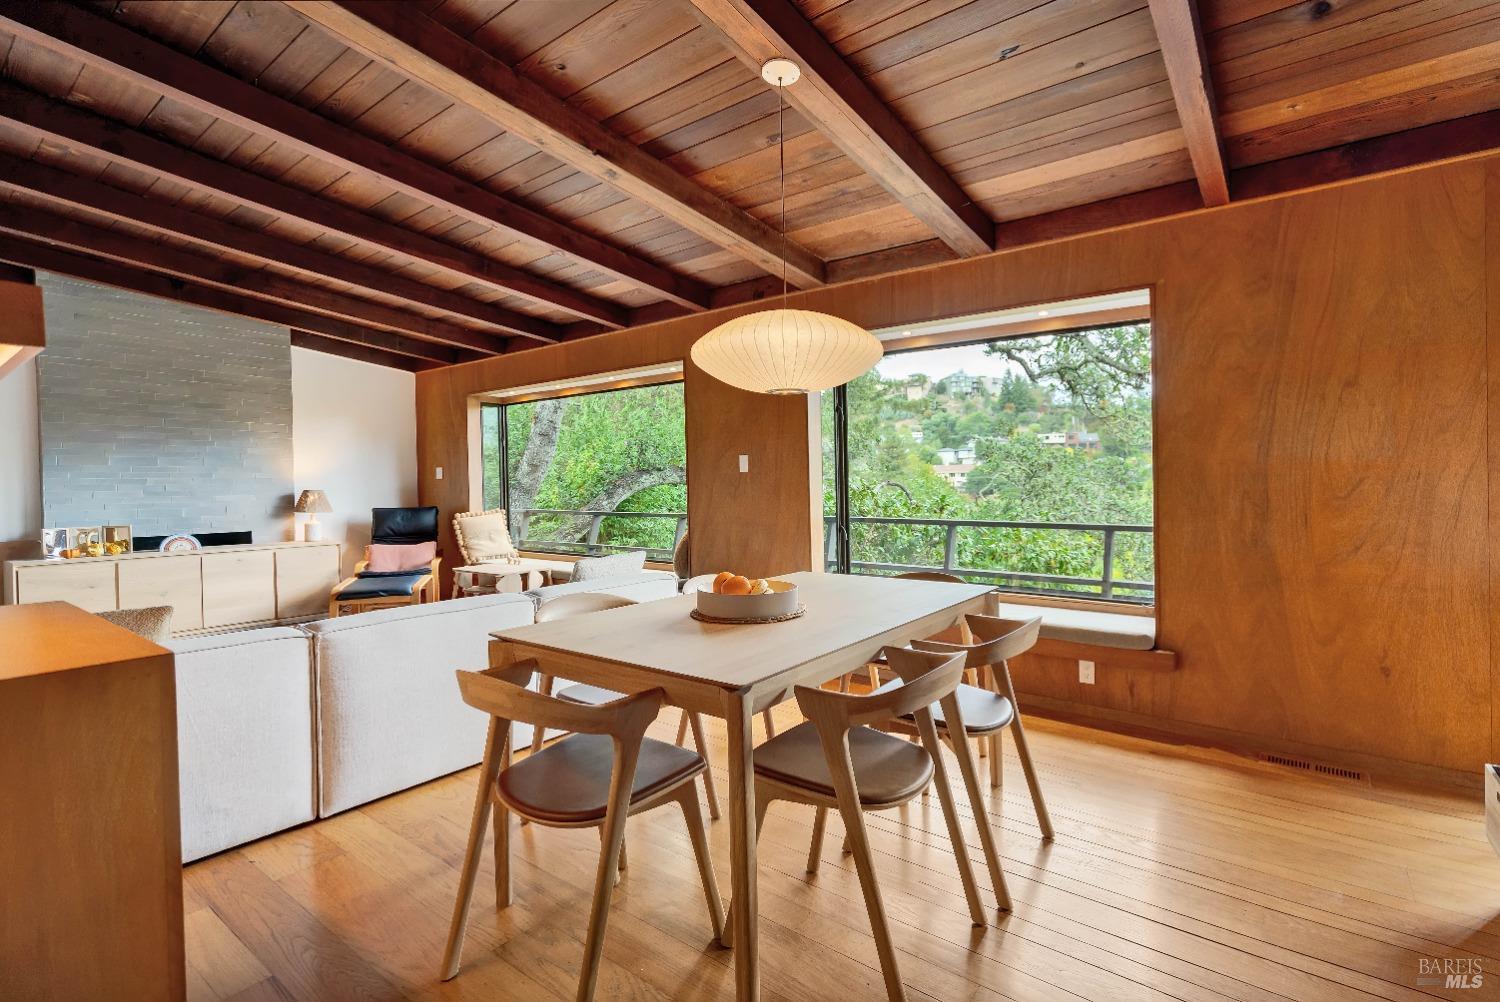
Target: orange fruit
(720, 578)
(736, 585)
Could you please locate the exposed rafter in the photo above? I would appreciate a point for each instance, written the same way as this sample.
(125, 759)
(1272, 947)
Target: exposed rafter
(375, 356)
(35, 254)
(403, 38)
(87, 132)
(1181, 39)
(104, 45)
(165, 218)
(127, 249)
(835, 100)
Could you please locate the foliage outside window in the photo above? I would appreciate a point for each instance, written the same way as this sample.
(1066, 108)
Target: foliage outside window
(1052, 429)
(619, 451)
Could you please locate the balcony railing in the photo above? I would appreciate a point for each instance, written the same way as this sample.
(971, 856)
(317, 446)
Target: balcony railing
(1105, 585)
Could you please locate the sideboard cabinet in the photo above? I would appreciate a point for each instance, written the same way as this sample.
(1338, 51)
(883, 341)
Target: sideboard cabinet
(211, 589)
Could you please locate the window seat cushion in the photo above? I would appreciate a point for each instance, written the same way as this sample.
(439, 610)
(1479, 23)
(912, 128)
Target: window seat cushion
(1098, 629)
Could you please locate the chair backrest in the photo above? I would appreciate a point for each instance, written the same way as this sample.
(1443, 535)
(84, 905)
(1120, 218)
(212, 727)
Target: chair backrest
(931, 576)
(502, 693)
(995, 640)
(579, 603)
(926, 677)
(403, 526)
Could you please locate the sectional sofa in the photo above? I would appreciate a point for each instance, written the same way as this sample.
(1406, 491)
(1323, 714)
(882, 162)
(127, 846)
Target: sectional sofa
(283, 725)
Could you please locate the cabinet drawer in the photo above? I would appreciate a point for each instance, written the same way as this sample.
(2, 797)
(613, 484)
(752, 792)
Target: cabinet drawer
(239, 587)
(174, 581)
(304, 577)
(86, 584)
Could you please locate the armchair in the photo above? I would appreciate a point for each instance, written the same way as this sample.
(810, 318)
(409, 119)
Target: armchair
(400, 566)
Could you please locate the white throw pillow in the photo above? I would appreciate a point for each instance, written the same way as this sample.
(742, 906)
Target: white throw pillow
(483, 536)
(612, 566)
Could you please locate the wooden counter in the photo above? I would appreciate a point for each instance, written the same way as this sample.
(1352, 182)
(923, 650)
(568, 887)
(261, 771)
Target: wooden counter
(90, 845)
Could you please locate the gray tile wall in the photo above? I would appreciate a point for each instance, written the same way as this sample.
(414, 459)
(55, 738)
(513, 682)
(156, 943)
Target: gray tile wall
(165, 417)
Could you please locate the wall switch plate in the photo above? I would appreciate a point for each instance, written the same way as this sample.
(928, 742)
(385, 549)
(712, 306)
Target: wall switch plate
(1086, 672)
(744, 464)
(439, 474)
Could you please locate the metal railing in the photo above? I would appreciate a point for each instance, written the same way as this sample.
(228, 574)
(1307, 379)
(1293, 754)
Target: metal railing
(1105, 586)
(589, 544)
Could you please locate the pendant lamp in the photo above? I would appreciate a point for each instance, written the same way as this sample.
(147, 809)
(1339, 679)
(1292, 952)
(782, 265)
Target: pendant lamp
(785, 350)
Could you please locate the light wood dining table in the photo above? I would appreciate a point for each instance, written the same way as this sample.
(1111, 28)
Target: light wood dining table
(735, 671)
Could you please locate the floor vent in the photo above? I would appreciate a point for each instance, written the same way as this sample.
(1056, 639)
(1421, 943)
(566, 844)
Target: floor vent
(1337, 772)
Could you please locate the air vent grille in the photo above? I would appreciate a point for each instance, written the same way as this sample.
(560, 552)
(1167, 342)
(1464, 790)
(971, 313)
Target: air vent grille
(1319, 768)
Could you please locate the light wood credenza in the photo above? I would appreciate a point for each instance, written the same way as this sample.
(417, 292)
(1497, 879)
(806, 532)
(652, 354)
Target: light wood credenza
(90, 850)
(212, 589)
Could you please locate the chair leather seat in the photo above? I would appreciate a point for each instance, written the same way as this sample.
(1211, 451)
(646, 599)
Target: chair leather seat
(983, 711)
(386, 585)
(887, 769)
(589, 695)
(568, 783)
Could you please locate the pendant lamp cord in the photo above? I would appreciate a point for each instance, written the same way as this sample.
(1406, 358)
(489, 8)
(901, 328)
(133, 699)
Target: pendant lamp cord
(781, 135)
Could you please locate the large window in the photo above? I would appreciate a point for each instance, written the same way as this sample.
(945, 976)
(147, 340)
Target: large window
(1024, 462)
(591, 473)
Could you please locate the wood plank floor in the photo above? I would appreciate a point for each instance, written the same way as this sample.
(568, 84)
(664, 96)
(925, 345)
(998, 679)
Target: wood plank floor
(1176, 874)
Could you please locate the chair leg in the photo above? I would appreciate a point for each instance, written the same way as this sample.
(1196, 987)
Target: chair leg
(997, 762)
(539, 733)
(970, 777)
(864, 864)
(695, 721)
(692, 811)
(454, 949)
(619, 869)
(874, 677)
(1023, 751)
(844, 682)
(682, 726)
(815, 851)
(765, 716)
(612, 834)
(950, 810)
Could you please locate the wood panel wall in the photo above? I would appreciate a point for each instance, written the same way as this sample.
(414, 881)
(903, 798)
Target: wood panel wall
(1324, 473)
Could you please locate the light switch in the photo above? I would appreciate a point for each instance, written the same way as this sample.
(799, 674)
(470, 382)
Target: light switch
(744, 464)
(439, 474)
(1086, 672)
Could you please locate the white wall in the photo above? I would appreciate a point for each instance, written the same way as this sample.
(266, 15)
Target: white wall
(354, 436)
(21, 466)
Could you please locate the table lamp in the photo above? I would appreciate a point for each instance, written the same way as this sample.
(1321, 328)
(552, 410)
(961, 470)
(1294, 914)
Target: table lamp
(312, 503)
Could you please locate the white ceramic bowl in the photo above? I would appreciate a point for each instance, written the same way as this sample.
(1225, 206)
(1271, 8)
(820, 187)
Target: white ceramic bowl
(781, 600)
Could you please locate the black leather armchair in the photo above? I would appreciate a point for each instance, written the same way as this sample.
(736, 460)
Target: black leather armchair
(379, 589)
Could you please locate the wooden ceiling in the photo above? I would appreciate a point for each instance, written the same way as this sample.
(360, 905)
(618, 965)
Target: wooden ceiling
(425, 183)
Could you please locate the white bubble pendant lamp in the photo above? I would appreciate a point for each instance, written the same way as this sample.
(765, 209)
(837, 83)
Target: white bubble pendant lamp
(785, 350)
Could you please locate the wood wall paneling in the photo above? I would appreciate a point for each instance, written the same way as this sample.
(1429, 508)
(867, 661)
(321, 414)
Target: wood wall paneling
(1324, 543)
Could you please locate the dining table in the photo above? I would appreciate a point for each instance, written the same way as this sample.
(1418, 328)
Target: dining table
(734, 671)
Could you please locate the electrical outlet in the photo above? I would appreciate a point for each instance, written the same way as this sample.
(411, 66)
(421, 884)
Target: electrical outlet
(1086, 672)
(439, 474)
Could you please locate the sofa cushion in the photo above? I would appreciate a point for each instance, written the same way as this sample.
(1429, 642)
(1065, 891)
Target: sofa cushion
(401, 556)
(153, 622)
(245, 754)
(389, 715)
(643, 586)
(381, 585)
(612, 566)
(1080, 626)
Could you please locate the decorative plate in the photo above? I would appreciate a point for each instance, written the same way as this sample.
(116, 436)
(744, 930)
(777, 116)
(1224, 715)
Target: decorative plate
(182, 542)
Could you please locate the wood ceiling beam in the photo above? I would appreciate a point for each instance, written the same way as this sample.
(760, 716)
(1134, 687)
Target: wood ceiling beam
(163, 217)
(45, 118)
(129, 249)
(102, 44)
(401, 37)
(1182, 49)
(35, 254)
(375, 356)
(835, 100)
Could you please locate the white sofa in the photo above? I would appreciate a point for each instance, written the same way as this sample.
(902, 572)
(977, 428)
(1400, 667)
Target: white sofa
(244, 736)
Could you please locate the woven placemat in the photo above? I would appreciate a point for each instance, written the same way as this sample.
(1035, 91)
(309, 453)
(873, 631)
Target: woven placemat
(704, 617)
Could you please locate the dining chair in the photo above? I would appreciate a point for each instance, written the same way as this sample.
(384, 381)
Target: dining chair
(565, 606)
(988, 712)
(837, 759)
(606, 771)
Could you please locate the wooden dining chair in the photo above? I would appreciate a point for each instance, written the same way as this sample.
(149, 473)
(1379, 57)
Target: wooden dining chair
(606, 771)
(836, 759)
(593, 695)
(988, 712)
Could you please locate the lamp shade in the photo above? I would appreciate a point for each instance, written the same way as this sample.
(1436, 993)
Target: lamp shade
(786, 351)
(313, 503)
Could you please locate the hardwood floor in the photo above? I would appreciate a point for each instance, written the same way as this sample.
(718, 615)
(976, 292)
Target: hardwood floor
(1176, 874)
